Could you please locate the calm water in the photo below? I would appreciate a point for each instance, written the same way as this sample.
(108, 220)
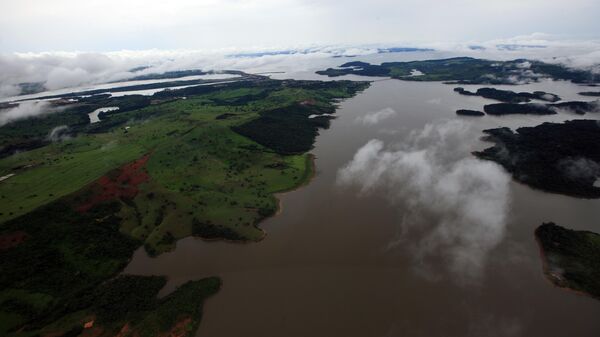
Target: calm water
(337, 262)
(108, 86)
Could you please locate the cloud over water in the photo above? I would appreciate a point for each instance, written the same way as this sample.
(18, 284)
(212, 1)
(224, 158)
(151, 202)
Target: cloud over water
(454, 207)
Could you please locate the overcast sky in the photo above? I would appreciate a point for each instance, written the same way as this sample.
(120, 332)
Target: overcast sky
(107, 25)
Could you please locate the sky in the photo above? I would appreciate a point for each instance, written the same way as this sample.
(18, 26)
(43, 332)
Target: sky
(109, 25)
(69, 43)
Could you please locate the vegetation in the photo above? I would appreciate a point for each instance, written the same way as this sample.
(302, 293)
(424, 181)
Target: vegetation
(64, 252)
(508, 95)
(291, 130)
(465, 70)
(199, 167)
(75, 210)
(590, 93)
(499, 109)
(31, 133)
(285, 130)
(465, 112)
(168, 74)
(571, 258)
(34, 132)
(62, 255)
(559, 158)
(580, 108)
(128, 305)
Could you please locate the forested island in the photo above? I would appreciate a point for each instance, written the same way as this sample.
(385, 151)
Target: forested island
(170, 168)
(465, 70)
(577, 107)
(554, 157)
(466, 112)
(590, 93)
(509, 96)
(571, 258)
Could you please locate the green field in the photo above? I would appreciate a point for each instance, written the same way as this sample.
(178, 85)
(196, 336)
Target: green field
(201, 171)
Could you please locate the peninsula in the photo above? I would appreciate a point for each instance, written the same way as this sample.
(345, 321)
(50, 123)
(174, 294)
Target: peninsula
(200, 161)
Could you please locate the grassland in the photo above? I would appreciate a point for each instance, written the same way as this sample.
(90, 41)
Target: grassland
(202, 171)
(74, 211)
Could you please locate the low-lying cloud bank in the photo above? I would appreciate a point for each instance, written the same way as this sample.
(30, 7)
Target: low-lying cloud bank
(59, 134)
(454, 208)
(580, 168)
(57, 70)
(24, 110)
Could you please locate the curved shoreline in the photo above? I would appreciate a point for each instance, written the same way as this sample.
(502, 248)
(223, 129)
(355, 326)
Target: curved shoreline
(310, 174)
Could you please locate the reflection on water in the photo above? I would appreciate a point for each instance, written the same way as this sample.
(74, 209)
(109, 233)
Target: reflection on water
(340, 262)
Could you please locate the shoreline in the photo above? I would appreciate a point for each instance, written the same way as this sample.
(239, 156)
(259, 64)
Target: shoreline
(311, 173)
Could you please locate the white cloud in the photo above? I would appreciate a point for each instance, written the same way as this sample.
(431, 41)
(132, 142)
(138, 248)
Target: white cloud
(23, 110)
(580, 168)
(68, 69)
(455, 206)
(7, 90)
(374, 117)
(59, 134)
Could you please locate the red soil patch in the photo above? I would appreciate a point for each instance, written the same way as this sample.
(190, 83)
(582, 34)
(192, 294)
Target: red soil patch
(122, 184)
(179, 329)
(308, 102)
(11, 240)
(124, 331)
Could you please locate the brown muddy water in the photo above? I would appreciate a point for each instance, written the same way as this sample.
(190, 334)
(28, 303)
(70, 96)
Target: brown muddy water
(339, 262)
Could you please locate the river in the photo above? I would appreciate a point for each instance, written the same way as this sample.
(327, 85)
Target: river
(342, 260)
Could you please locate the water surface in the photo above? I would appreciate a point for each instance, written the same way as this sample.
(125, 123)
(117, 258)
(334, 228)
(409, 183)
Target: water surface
(331, 264)
(112, 85)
